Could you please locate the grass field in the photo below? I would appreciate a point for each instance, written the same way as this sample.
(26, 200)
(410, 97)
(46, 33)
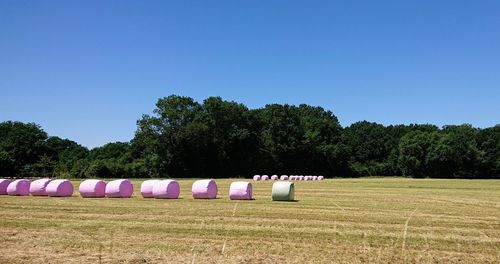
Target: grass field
(370, 220)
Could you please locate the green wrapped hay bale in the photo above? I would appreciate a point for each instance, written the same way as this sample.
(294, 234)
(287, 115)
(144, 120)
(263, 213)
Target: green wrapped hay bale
(283, 191)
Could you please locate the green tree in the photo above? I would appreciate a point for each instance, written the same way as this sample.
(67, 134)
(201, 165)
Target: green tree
(414, 150)
(232, 143)
(367, 144)
(456, 155)
(67, 153)
(322, 152)
(280, 140)
(111, 160)
(219, 138)
(177, 135)
(20, 145)
(489, 147)
(44, 167)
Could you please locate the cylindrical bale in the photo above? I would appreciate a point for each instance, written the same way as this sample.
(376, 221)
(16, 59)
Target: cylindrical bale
(283, 191)
(320, 178)
(166, 189)
(307, 178)
(119, 189)
(60, 188)
(38, 187)
(256, 177)
(292, 178)
(4, 183)
(92, 189)
(284, 177)
(264, 178)
(300, 178)
(240, 190)
(147, 188)
(315, 178)
(274, 177)
(204, 189)
(19, 187)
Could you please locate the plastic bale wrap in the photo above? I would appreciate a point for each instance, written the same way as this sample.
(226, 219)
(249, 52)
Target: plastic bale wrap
(300, 178)
(240, 190)
(4, 183)
(166, 189)
(284, 177)
(119, 189)
(292, 178)
(320, 178)
(60, 188)
(147, 188)
(38, 187)
(283, 191)
(256, 177)
(92, 189)
(315, 178)
(264, 178)
(204, 189)
(19, 187)
(274, 177)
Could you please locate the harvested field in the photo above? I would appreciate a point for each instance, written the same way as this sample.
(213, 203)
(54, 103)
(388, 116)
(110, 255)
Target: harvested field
(375, 220)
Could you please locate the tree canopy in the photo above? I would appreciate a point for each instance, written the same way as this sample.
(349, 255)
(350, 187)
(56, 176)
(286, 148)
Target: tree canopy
(218, 138)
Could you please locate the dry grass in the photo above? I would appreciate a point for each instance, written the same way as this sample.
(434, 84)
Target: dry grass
(334, 221)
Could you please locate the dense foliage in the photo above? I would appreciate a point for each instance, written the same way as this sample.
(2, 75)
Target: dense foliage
(218, 138)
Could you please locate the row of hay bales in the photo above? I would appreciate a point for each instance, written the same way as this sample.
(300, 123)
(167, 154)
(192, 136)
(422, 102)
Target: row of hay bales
(288, 178)
(159, 189)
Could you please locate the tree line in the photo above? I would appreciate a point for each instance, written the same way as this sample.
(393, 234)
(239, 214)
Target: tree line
(218, 138)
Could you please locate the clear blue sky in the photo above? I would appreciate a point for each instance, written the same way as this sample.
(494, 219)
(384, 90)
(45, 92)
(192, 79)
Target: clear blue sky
(87, 70)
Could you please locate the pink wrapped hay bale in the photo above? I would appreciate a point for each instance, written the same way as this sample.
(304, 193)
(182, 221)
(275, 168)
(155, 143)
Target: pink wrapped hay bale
(19, 187)
(147, 188)
(166, 189)
(92, 189)
(301, 178)
(307, 178)
(59, 188)
(264, 178)
(240, 190)
(4, 183)
(204, 189)
(274, 177)
(284, 177)
(314, 178)
(119, 189)
(320, 178)
(292, 178)
(38, 187)
(256, 177)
